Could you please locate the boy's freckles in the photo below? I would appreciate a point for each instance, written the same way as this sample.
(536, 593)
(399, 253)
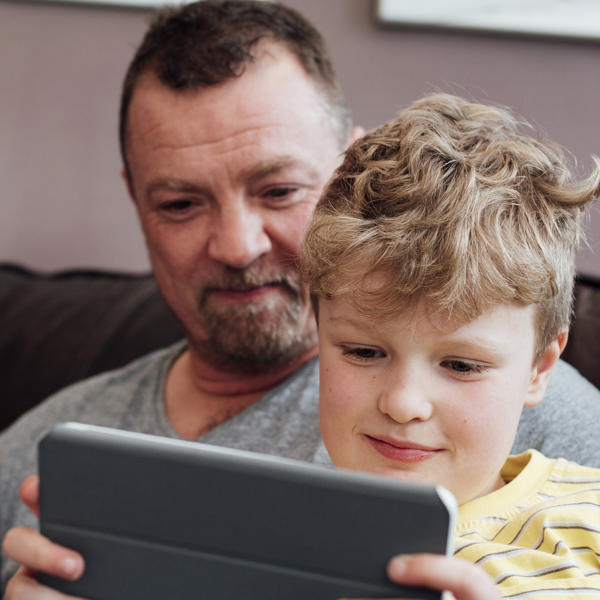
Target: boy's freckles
(407, 399)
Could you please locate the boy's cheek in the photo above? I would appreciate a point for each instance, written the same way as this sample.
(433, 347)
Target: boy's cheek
(333, 381)
(338, 406)
(332, 428)
(337, 431)
(339, 396)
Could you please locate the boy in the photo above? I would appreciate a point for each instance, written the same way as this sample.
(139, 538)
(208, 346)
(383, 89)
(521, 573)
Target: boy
(440, 261)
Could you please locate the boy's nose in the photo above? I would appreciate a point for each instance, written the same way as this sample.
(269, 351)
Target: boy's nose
(239, 237)
(406, 400)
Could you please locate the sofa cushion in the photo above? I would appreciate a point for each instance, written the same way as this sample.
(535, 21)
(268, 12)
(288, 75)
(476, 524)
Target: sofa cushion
(61, 327)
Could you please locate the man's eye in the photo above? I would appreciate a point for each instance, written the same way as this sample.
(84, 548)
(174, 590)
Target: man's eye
(181, 209)
(283, 196)
(177, 205)
(280, 192)
(362, 352)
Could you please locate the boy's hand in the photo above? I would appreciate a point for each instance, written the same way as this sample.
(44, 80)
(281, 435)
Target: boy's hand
(462, 579)
(35, 553)
(458, 579)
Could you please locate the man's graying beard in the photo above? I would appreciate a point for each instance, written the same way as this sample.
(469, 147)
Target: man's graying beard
(258, 335)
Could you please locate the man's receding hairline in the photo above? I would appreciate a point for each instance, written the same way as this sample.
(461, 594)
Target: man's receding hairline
(149, 75)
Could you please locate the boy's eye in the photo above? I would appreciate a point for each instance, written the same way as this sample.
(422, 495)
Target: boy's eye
(463, 367)
(362, 352)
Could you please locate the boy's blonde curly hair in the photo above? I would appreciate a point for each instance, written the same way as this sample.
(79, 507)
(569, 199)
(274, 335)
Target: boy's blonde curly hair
(453, 203)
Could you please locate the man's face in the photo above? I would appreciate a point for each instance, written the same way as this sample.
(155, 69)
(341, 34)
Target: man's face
(413, 399)
(225, 180)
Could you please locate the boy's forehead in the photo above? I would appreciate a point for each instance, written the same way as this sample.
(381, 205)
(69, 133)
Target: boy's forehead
(514, 323)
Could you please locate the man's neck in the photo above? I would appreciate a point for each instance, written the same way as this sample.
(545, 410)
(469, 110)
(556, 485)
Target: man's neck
(199, 397)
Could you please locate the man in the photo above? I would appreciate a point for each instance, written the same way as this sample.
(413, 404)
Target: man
(231, 122)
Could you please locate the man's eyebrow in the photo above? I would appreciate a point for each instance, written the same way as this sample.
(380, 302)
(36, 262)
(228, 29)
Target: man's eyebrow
(252, 174)
(271, 167)
(175, 185)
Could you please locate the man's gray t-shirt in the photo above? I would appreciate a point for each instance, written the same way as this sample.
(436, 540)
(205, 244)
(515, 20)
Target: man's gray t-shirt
(284, 422)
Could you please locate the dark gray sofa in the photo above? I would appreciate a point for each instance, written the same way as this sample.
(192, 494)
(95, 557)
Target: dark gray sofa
(58, 328)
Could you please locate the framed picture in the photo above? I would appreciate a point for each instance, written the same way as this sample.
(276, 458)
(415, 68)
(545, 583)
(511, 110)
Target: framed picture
(131, 3)
(128, 3)
(558, 18)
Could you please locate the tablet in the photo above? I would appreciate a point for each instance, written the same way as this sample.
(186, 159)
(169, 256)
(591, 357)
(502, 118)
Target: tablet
(162, 519)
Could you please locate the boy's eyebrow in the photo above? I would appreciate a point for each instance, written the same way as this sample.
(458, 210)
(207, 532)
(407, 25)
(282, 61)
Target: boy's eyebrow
(350, 321)
(476, 343)
(469, 341)
(473, 342)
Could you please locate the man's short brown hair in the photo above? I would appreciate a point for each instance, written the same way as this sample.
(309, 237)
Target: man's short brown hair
(205, 43)
(452, 202)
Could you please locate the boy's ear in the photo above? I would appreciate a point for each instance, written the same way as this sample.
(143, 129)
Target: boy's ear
(540, 374)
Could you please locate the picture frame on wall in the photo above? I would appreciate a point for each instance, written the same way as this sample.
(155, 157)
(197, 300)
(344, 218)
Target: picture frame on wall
(149, 4)
(121, 3)
(573, 19)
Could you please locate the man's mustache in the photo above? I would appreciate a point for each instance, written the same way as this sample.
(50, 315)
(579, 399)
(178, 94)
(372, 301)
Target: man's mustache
(245, 279)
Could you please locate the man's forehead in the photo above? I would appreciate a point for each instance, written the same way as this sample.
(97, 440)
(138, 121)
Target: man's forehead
(269, 114)
(275, 77)
(275, 102)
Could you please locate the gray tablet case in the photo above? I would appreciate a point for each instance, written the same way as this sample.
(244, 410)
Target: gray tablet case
(160, 519)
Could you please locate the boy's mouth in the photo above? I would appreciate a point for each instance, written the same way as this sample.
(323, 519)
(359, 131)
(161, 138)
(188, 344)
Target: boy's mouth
(401, 450)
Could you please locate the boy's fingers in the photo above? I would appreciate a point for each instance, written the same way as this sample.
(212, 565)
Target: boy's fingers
(29, 490)
(23, 586)
(461, 578)
(37, 553)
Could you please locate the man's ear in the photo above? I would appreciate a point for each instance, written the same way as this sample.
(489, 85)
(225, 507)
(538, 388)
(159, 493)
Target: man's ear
(356, 133)
(540, 374)
(128, 184)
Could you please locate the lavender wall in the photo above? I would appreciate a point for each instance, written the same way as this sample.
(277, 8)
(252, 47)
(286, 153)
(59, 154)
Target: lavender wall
(63, 202)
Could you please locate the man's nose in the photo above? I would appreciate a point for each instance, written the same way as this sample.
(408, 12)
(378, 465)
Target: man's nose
(406, 399)
(238, 237)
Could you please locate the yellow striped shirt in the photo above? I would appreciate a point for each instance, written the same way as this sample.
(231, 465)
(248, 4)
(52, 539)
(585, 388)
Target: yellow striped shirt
(539, 535)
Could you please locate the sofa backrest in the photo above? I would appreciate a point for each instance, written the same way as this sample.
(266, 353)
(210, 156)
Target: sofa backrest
(58, 328)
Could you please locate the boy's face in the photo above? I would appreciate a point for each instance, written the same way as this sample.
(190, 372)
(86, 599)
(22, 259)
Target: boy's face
(412, 398)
